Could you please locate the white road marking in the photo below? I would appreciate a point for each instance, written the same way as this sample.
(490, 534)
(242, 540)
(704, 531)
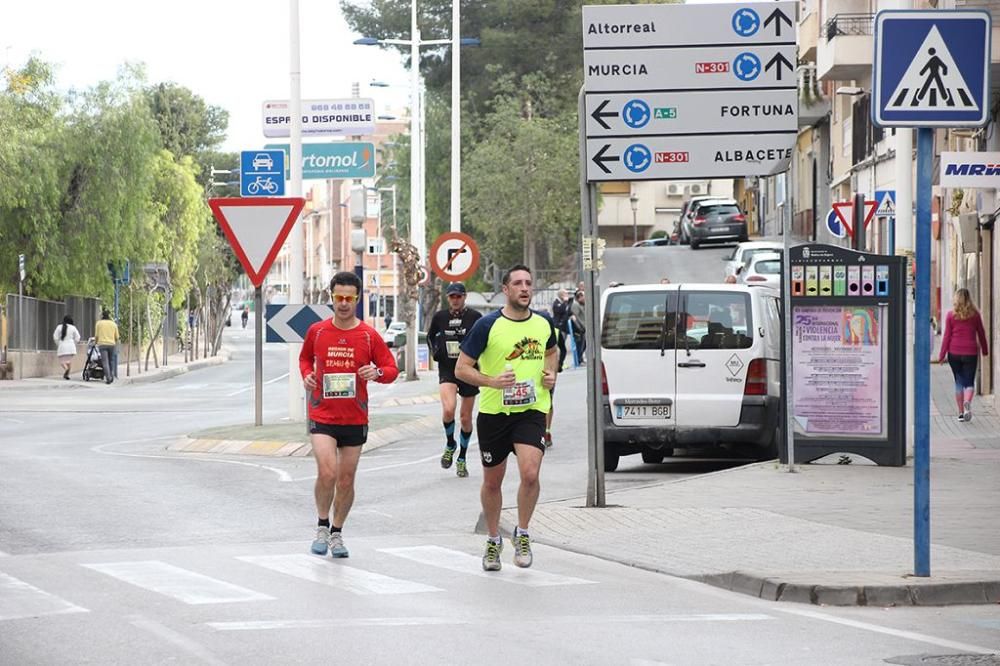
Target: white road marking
(250, 387)
(367, 470)
(899, 633)
(13, 420)
(181, 584)
(457, 561)
(20, 600)
(338, 623)
(283, 476)
(327, 572)
(174, 638)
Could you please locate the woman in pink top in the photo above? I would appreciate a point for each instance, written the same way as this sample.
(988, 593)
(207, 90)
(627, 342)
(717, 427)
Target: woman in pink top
(964, 339)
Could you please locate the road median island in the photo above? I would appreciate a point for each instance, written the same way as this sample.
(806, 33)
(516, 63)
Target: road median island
(291, 439)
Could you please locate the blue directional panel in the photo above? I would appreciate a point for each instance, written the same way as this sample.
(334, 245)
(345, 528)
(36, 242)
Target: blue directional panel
(931, 69)
(290, 323)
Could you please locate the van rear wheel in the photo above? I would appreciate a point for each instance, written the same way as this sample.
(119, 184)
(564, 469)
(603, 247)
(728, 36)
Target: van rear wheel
(610, 461)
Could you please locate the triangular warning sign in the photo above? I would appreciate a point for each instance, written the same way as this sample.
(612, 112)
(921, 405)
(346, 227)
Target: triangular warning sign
(256, 228)
(932, 81)
(845, 211)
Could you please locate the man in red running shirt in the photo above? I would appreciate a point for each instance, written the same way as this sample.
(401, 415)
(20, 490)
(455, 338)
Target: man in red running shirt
(339, 357)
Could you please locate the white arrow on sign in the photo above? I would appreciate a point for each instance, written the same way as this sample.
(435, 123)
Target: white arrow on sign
(278, 324)
(256, 228)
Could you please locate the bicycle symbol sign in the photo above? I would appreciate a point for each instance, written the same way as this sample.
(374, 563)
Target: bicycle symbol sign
(262, 173)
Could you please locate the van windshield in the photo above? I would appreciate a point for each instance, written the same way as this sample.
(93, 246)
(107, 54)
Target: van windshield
(637, 320)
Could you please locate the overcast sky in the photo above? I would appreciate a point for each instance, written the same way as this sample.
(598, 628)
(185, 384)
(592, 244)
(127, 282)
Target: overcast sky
(233, 53)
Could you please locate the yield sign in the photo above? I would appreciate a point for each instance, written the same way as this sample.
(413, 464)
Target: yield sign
(845, 210)
(256, 228)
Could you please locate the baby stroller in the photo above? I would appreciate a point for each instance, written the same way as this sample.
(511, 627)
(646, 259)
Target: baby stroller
(92, 367)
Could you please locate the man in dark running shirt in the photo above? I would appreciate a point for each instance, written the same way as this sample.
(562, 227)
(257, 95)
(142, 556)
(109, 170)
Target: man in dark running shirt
(447, 330)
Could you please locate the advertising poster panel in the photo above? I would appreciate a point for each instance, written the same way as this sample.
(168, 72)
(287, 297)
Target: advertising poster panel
(839, 371)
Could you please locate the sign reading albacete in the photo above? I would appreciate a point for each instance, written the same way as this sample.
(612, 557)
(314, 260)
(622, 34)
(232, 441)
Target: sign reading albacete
(689, 91)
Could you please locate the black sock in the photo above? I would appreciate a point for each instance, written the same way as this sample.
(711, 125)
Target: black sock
(335, 530)
(324, 522)
(449, 431)
(464, 440)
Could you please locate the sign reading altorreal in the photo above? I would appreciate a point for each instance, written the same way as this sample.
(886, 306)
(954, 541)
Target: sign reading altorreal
(689, 91)
(321, 117)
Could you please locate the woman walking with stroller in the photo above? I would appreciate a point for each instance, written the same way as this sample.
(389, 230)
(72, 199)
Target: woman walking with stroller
(66, 338)
(964, 339)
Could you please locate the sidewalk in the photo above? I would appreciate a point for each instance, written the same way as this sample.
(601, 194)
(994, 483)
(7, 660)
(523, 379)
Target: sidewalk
(126, 375)
(827, 534)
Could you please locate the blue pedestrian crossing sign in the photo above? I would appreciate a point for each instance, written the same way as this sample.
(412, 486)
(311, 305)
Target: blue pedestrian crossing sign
(931, 68)
(262, 173)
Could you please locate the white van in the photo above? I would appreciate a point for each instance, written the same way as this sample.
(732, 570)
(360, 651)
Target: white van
(690, 366)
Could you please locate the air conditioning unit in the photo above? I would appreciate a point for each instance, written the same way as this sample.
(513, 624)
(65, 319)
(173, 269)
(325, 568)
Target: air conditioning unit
(696, 188)
(674, 190)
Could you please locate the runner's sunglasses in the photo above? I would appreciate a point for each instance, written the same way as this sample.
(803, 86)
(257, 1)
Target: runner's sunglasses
(340, 298)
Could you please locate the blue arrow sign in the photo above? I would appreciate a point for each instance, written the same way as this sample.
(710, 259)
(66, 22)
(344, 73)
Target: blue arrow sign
(261, 173)
(290, 323)
(834, 226)
(931, 68)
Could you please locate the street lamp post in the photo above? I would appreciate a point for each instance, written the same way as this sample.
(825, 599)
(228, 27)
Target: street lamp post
(634, 200)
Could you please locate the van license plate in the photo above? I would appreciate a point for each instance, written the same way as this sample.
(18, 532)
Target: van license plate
(643, 411)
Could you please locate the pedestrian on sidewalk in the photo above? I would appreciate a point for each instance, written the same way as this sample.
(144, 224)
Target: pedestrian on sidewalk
(515, 348)
(106, 335)
(579, 328)
(964, 339)
(447, 331)
(339, 357)
(66, 338)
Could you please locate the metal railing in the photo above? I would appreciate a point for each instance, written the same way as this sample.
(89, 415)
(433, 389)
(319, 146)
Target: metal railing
(849, 24)
(40, 319)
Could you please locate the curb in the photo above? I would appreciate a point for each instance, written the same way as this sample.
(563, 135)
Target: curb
(174, 371)
(912, 592)
(376, 439)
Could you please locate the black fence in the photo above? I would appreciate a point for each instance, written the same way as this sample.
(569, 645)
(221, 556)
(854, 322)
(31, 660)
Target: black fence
(36, 320)
(849, 24)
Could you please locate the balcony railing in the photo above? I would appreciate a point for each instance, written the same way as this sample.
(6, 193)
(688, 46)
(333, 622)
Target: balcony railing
(849, 24)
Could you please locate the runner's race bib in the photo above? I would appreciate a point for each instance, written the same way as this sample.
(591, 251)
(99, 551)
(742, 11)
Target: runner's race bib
(520, 394)
(339, 385)
(453, 348)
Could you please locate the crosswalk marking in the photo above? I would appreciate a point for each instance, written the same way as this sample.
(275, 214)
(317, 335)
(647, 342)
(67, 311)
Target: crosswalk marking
(457, 561)
(181, 584)
(335, 574)
(336, 623)
(20, 600)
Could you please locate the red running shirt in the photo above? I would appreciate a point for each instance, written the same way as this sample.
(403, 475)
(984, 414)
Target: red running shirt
(328, 350)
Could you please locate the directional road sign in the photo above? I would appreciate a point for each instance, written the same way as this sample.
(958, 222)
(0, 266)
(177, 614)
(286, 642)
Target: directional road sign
(454, 256)
(931, 68)
(886, 203)
(845, 212)
(834, 226)
(290, 323)
(339, 160)
(262, 173)
(689, 91)
(256, 228)
(343, 117)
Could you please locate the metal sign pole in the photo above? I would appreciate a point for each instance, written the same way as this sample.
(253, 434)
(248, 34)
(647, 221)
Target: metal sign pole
(258, 357)
(595, 435)
(921, 358)
(786, 317)
(20, 327)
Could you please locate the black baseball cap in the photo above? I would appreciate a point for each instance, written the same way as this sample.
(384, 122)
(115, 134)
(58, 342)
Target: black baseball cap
(455, 288)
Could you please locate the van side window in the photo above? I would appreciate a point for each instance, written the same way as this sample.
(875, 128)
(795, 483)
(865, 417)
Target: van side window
(639, 320)
(717, 320)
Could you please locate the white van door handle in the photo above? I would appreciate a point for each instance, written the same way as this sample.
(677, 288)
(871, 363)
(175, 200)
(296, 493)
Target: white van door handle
(691, 364)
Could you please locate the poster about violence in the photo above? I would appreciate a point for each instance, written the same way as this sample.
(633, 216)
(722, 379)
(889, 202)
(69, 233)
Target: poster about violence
(837, 364)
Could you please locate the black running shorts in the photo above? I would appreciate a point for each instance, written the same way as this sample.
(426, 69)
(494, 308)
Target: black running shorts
(499, 432)
(446, 375)
(346, 435)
